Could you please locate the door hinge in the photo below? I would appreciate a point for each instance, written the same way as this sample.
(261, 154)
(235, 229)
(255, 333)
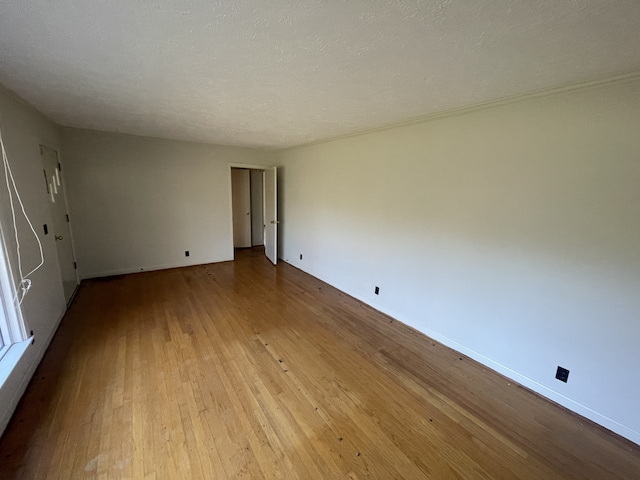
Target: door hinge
(67, 218)
(75, 266)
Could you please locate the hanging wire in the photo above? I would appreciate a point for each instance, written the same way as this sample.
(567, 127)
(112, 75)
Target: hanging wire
(25, 281)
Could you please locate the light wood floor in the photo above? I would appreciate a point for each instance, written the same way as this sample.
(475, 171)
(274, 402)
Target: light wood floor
(245, 370)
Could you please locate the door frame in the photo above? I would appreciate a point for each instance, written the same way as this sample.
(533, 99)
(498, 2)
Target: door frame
(241, 207)
(248, 166)
(66, 207)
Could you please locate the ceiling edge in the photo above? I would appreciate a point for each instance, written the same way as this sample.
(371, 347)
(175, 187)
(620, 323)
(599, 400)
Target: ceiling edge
(169, 139)
(625, 77)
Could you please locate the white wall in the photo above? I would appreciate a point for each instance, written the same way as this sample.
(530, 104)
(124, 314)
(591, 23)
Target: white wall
(138, 203)
(23, 130)
(510, 233)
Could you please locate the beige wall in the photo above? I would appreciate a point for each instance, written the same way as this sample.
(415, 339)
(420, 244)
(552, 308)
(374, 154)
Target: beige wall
(511, 233)
(138, 203)
(23, 130)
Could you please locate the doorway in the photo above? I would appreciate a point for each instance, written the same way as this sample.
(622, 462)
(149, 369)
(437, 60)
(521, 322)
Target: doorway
(254, 208)
(60, 220)
(241, 207)
(247, 207)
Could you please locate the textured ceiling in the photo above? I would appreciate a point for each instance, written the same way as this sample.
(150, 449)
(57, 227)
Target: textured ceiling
(280, 73)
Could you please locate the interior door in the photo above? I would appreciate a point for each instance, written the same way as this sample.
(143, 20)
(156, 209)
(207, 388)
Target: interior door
(60, 218)
(271, 214)
(241, 206)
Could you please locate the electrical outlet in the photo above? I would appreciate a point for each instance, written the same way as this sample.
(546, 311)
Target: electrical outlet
(377, 291)
(300, 256)
(562, 374)
(186, 253)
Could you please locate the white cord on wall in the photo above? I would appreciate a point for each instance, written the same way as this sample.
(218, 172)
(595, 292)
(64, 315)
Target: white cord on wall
(25, 281)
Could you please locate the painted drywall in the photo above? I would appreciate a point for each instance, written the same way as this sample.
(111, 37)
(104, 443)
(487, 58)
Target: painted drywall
(23, 130)
(510, 233)
(139, 203)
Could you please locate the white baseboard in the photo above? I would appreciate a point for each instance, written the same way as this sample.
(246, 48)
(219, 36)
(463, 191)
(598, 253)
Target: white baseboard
(151, 268)
(543, 390)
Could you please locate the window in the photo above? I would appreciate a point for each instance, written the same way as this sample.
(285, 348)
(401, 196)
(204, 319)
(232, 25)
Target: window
(12, 329)
(11, 325)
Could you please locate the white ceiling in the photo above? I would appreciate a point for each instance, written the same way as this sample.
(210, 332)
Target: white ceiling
(279, 73)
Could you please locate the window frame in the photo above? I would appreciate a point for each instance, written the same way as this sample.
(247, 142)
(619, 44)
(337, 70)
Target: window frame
(12, 327)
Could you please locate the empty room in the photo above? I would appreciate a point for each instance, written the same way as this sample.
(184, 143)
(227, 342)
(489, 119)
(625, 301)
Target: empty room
(320, 239)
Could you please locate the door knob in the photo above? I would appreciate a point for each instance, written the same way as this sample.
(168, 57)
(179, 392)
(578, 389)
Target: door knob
(59, 237)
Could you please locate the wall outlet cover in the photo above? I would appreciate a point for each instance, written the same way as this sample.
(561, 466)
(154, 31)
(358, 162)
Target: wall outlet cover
(562, 374)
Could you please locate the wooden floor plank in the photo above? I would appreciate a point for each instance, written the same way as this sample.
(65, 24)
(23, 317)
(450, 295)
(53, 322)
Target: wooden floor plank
(246, 370)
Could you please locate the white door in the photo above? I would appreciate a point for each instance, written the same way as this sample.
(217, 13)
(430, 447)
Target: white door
(241, 206)
(60, 218)
(271, 214)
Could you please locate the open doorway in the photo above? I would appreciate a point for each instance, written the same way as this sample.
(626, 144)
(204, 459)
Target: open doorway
(247, 207)
(254, 208)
